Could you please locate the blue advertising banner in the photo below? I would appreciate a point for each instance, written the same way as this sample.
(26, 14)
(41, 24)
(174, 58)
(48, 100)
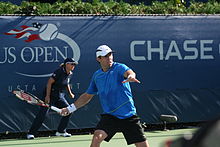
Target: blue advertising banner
(176, 58)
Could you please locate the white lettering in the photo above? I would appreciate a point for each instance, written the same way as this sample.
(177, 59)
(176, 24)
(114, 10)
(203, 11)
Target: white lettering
(8, 55)
(155, 50)
(205, 49)
(190, 52)
(78, 85)
(27, 52)
(34, 54)
(39, 52)
(57, 51)
(190, 49)
(132, 47)
(48, 54)
(176, 52)
(13, 57)
(25, 87)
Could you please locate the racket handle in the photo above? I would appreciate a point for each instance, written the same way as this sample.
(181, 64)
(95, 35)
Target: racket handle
(55, 109)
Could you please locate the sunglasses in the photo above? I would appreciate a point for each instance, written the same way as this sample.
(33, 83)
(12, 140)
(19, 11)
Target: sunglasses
(71, 64)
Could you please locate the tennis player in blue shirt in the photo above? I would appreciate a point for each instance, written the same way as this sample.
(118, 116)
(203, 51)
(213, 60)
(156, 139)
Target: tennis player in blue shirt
(111, 83)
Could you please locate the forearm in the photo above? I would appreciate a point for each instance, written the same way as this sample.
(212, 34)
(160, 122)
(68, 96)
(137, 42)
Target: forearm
(81, 101)
(131, 77)
(48, 91)
(129, 74)
(68, 88)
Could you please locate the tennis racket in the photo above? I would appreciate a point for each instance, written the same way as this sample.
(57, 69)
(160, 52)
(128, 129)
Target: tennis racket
(32, 99)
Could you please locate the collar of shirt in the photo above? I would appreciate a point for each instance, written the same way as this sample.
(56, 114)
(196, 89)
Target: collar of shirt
(64, 69)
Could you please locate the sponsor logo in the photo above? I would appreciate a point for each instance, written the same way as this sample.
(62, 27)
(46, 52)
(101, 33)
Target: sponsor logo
(30, 54)
(147, 50)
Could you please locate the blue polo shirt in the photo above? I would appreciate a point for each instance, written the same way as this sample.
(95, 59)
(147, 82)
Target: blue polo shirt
(115, 96)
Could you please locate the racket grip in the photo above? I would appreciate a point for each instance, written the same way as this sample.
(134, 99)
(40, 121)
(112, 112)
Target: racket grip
(55, 109)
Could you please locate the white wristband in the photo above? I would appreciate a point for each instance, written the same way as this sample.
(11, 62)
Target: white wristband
(71, 108)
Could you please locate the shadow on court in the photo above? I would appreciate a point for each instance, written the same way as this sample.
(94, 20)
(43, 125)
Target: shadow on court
(155, 138)
(41, 142)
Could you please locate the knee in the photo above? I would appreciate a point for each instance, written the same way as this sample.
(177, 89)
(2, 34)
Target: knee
(99, 136)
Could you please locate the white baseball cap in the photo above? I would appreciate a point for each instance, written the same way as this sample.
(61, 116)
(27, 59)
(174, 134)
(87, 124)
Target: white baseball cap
(103, 50)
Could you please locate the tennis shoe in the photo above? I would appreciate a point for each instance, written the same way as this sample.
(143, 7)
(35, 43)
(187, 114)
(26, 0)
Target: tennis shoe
(30, 136)
(65, 134)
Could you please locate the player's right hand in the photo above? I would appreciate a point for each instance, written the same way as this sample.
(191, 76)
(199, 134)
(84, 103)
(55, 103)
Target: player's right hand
(64, 112)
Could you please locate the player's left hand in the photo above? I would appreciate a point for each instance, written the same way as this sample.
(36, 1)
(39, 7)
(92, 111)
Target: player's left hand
(131, 78)
(72, 95)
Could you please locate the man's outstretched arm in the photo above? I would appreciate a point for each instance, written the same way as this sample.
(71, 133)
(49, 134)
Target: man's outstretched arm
(81, 101)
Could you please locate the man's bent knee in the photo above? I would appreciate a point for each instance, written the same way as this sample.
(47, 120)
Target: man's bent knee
(99, 136)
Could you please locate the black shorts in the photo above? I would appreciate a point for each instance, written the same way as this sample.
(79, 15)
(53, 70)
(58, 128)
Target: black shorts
(130, 127)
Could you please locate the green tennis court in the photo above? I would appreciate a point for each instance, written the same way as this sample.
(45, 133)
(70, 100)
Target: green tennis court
(155, 138)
